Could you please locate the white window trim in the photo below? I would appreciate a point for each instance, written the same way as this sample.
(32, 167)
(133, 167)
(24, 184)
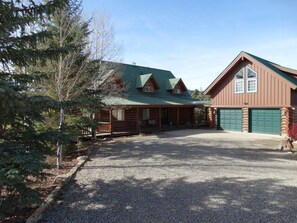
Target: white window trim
(249, 79)
(237, 81)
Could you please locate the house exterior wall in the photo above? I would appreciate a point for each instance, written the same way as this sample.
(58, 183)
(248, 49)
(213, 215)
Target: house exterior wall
(293, 115)
(266, 96)
(186, 116)
(294, 98)
(129, 123)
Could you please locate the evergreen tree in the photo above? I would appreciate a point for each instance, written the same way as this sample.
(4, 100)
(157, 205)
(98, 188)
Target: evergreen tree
(72, 73)
(22, 148)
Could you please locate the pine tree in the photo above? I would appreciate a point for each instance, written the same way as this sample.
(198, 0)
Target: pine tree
(22, 148)
(72, 73)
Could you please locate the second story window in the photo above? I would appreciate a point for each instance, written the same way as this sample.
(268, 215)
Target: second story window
(239, 81)
(177, 90)
(149, 87)
(251, 80)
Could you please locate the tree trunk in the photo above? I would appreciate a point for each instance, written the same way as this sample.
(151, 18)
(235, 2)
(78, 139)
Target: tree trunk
(59, 144)
(94, 128)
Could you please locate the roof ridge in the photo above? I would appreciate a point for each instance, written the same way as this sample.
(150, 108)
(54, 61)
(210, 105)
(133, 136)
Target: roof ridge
(140, 66)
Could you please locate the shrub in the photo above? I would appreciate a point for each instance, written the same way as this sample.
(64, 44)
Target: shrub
(293, 132)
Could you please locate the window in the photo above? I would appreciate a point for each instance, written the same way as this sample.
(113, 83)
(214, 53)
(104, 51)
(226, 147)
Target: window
(239, 81)
(177, 90)
(145, 114)
(119, 114)
(149, 87)
(251, 81)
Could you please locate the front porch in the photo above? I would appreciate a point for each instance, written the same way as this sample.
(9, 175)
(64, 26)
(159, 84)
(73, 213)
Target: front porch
(146, 119)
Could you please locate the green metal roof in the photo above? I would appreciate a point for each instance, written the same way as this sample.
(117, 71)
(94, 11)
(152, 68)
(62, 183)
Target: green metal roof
(142, 79)
(171, 83)
(136, 76)
(273, 67)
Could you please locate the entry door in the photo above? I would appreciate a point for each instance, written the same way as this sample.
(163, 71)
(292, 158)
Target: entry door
(164, 116)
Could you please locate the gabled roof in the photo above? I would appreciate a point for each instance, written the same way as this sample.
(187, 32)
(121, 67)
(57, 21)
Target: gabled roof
(288, 74)
(136, 76)
(144, 78)
(172, 83)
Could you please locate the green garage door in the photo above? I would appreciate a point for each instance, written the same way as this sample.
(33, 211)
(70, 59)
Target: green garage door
(265, 120)
(230, 119)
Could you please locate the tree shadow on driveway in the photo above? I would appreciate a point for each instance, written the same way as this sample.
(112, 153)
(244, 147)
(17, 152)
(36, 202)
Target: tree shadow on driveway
(147, 200)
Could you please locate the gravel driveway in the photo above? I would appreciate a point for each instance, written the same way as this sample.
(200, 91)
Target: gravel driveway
(183, 176)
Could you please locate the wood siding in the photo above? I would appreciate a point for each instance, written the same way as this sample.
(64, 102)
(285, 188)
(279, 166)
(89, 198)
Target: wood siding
(293, 115)
(128, 125)
(132, 123)
(272, 90)
(186, 116)
(294, 98)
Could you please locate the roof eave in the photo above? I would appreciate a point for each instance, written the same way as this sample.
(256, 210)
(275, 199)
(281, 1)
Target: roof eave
(209, 89)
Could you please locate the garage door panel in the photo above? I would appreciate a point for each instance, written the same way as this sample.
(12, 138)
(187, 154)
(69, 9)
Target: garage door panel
(230, 119)
(265, 120)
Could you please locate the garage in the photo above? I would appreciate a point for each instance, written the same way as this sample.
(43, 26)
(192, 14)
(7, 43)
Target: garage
(265, 120)
(230, 119)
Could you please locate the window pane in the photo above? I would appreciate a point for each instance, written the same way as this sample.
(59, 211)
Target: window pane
(239, 75)
(251, 85)
(119, 114)
(239, 86)
(251, 73)
(146, 114)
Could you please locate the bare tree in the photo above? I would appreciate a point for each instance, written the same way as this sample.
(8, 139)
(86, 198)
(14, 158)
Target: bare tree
(108, 52)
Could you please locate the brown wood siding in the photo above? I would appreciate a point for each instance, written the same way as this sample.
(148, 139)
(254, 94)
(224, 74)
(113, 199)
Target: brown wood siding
(272, 90)
(154, 115)
(172, 113)
(186, 116)
(128, 125)
(293, 97)
(293, 115)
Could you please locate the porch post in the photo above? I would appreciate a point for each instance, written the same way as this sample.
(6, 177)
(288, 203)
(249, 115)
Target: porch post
(160, 125)
(137, 120)
(177, 118)
(111, 121)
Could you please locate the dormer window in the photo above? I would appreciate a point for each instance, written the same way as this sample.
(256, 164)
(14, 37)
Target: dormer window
(239, 81)
(149, 88)
(147, 83)
(176, 86)
(177, 90)
(251, 81)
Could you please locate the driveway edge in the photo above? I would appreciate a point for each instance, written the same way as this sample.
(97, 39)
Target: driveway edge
(62, 180)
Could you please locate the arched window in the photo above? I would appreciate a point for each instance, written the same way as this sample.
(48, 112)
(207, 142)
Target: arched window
(251, 80)
(239, 81)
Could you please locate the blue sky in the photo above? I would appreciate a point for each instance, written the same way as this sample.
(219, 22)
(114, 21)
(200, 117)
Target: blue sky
(196, 40)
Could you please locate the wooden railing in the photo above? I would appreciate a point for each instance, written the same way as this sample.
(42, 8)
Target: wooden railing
(104, 127)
